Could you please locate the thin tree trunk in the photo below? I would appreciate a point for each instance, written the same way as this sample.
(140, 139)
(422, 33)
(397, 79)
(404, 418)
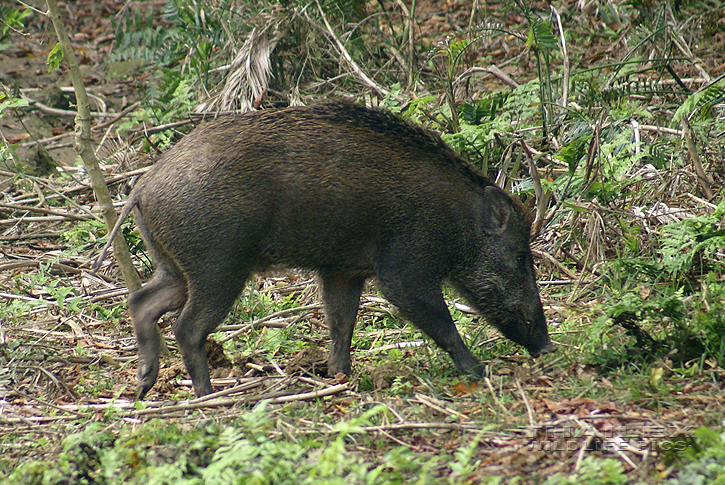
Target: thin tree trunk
(85, 150)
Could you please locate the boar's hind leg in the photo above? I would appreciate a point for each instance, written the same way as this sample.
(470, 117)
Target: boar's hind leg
(164, 293)
(426, 308)
(341, 296)
(212, 293)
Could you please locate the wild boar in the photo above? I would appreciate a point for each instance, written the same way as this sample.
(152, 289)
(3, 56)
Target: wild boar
(350, 192)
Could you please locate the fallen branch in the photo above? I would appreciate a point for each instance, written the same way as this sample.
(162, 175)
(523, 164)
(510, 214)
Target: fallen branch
(555, 262)
(61, 112)
(492, 70)
(41, 210)
(346, 55)
(36, 264)
(240, 329)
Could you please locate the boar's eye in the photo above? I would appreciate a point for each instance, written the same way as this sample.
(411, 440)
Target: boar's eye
(521, 258)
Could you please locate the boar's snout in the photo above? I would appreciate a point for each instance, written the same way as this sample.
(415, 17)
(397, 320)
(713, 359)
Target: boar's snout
(524, 324)
(537, 340)
(547, 347)
(531, 334)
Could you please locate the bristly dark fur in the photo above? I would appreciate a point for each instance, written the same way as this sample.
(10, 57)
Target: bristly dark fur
(413, 136)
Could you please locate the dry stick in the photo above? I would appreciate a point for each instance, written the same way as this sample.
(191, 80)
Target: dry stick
(701, 201)
(408, 425)
(176, 124)
(660, 129)
(109, 181)
(529, 410)
(592, 152)
(440, 407)
(565, 60)
(232, 390)
(495, 399)
(280, 313)
(472, 17)
(46, 183)
(598, 434)
(28, 220)
(311, 395)
(51, 405)
(40, 235)
(400, 442)
(110, 295)
(685, 49)
(103, 140)
(580, 455)
(196, 404)
(85, 150)
(702, 178)
(41, 210)
(60, 385)
(493, 70)
(411, 46)
(60, 112)
(185, 407)
(555, 262)
(365, 79)
(34, 264)
(46, 140)
(542, 200)
(410, 27)
(117, 117)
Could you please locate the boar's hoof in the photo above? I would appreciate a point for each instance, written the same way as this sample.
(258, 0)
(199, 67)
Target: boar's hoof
(147, 374)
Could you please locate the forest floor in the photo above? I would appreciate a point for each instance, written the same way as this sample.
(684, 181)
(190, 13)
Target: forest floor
(68, 354)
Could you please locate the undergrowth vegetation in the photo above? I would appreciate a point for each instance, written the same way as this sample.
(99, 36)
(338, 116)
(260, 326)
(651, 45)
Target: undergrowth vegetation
(605, 118)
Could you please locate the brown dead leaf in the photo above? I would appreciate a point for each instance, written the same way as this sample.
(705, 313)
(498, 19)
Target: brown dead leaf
(608, 425)
(582, 406)
(16, 137)
(101, 345)
(341, 378)
(110, 360)
(465, 387)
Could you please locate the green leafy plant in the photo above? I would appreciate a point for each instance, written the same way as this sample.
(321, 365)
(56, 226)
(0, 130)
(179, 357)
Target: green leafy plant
(12, 20)
(79, 234)
(704, 459)
(694, 243)
(593, 471)
(8, 155)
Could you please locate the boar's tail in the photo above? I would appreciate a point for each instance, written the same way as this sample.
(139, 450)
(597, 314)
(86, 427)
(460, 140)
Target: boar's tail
(130, 204)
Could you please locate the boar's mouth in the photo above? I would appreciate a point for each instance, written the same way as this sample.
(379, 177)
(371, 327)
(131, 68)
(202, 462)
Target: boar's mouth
(532, 335)
(548, 347)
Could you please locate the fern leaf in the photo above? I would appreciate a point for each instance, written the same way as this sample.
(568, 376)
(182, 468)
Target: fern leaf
(703, 100)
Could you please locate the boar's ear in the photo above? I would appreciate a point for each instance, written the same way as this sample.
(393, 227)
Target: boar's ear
(497, 209)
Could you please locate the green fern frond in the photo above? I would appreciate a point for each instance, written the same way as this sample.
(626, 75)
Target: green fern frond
(702, 100)
(541, 36)
(700, 236)
(576, 149)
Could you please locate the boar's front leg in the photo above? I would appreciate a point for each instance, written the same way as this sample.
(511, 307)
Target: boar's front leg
(165, 292)
(341, 297)
(422, 303)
